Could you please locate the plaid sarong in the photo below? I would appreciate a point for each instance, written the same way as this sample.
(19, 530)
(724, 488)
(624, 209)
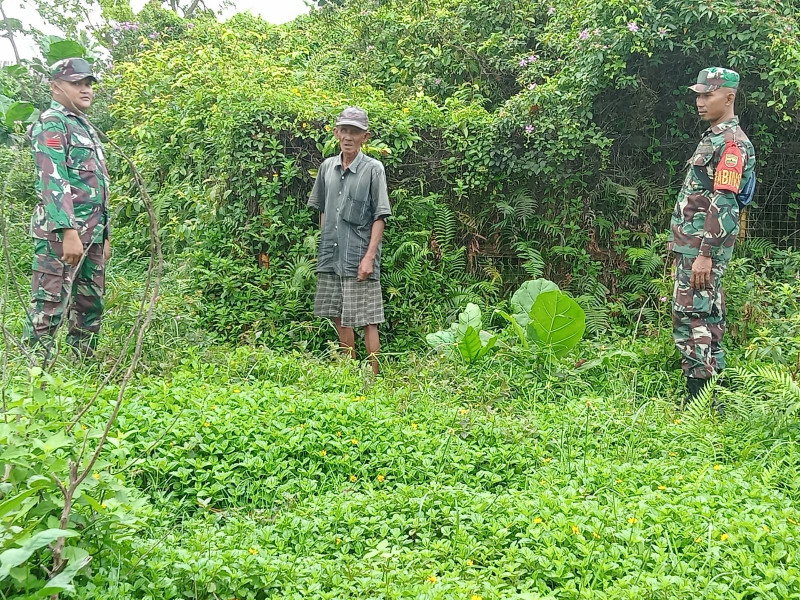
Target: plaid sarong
(358, 303)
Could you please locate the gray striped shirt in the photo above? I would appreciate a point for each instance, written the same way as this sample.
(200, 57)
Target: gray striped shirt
(351, 201)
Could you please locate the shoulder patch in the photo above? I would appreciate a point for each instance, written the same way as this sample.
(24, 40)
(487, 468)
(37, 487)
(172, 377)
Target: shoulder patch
(728, 174)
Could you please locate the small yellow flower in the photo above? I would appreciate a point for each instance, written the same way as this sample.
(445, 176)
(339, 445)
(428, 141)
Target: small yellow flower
(575, 530)
(237, 391)
(470, 562)
(304, 125)
(354, 441)
(547, 459)
(451, 431)
(406, 110)
(302, 425)
(323, 453)
(724, 537)
(680, 477)
(338, 541)
(542, 482)
(537, 520)
(103, 505)
(619, 480)
(589, 403)
(414, 426)
(353, 478)
(327, 127)
(463, 411)
(673, 454)
(338, 434)
(253, 551)
(432, 579)
(677, 421)
(697, 540)
(717, 467)
(96, 475)
(662, 487)
(214, 407)
(633, 520)
(595, 535)
(475, 597)
(381, 478)
(765, 528)
(206, 424)
(83, 427)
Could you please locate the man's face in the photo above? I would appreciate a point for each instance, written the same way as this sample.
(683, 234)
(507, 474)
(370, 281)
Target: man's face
(713, 106)
(350, 138)
(73, 94)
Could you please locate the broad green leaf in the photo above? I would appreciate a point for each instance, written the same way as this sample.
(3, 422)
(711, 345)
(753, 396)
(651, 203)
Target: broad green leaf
(558, 320)
(15, 501)
(515, 326)
(488, 340)
(440, 338)
(19, 111)
(470, 345)
(470, 317)
(523, 299)
(16, 556)
(64, 49)
(62, 582)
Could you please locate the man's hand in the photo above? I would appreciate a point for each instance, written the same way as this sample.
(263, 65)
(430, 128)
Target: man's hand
(366, 267)
(701, 273)
(73, 248)
(107, 250)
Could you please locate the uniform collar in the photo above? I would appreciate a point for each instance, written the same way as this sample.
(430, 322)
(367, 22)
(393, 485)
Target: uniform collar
(353, 165)
(720, 127)
(55, 105)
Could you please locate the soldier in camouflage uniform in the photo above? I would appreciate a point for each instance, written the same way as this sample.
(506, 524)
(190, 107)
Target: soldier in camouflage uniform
(70, 224)
(704, 227)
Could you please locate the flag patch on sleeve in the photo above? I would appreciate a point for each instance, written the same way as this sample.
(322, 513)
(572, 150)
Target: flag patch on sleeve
(53, 142)
(728, 174)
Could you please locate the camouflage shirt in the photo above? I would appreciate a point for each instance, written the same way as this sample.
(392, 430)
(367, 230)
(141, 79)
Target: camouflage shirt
(705, 220)
(72, 179)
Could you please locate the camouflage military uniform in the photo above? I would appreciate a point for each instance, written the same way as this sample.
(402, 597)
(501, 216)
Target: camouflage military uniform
(72, 185)
(705, 222)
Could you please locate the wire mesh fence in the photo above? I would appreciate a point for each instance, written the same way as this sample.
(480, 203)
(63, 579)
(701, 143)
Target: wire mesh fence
(775, 213)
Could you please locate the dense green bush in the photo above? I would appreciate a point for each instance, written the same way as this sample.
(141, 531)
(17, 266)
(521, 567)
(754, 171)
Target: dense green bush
(521, 139)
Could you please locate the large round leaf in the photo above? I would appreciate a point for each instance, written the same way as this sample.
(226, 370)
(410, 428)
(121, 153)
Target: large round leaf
(558, 320)
(19, 111)
(64, 49)
(523, 299)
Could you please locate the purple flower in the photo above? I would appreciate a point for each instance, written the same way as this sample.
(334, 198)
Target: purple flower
(153, 36)
(523, 62)
(584, 35)
(533, 58)
(663, 298)
(551, 10)
(633, 27)
(531, 86)
(190, 26)
(529, 128)
(437, 81)
(370, 47)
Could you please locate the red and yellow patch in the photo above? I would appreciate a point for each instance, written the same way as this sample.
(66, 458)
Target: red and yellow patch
(728, 174)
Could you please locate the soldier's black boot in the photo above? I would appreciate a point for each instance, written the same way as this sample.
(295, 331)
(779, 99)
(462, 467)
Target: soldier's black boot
(694, 386)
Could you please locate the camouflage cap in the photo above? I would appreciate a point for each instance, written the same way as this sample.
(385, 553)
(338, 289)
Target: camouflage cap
(71, 69)
(352, 115)
(713, 78)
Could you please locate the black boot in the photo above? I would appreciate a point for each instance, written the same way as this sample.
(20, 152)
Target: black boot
(694, 386)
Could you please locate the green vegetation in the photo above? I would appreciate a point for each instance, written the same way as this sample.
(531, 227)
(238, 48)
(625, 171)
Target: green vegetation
(539, 451)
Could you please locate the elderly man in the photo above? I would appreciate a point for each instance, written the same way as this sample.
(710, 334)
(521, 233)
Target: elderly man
(70, 224)
(704, 226)
(350, 193)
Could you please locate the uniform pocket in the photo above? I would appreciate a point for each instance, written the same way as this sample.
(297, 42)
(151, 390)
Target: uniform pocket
(48, 280)
(82, 158)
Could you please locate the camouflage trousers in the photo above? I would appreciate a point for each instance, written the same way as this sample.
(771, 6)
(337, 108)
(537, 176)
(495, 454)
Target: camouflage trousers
(698, 320)
(55, 285)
